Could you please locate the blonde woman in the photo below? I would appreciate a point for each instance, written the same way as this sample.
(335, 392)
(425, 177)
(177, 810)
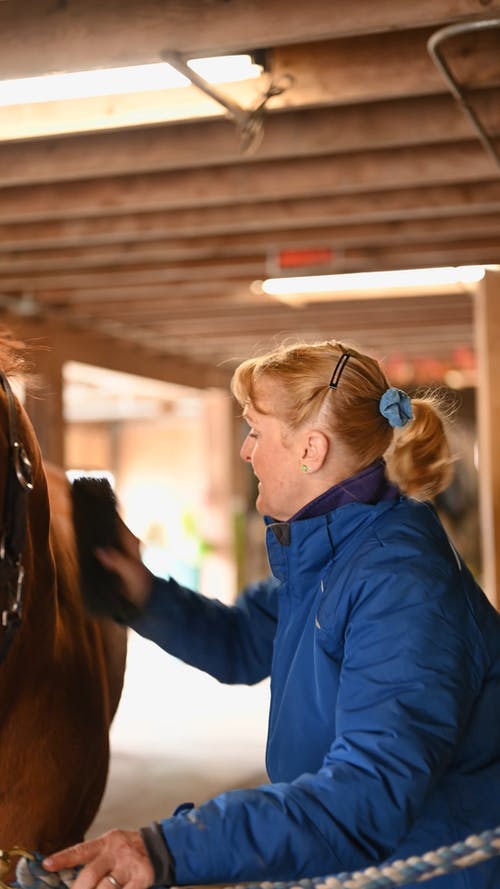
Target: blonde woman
(384, 654)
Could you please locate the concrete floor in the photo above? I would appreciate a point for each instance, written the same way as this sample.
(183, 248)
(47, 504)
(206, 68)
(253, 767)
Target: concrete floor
(178, 736)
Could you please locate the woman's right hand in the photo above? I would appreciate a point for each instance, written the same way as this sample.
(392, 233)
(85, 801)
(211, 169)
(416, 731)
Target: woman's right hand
(126, 562)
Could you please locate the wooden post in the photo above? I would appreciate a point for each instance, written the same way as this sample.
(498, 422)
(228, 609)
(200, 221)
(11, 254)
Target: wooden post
(219, 569)
(487, 314)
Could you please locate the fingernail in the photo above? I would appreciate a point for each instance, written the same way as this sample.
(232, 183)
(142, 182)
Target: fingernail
(47, 862)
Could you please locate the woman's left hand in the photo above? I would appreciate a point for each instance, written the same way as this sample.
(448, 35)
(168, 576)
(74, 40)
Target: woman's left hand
(115, 860)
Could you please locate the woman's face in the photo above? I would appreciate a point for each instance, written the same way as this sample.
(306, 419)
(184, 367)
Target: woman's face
(275, 455)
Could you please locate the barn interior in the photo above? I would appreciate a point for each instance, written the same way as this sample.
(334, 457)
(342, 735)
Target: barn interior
(153, 236)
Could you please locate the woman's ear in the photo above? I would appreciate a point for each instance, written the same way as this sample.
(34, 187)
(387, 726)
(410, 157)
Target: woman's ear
(315, 449)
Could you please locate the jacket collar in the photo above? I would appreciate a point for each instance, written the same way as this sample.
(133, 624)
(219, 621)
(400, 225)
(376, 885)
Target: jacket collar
(312, 537)
(295, 548)
(371, 485)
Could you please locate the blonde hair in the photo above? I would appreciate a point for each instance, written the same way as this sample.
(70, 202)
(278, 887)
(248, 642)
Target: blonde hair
(418, 455)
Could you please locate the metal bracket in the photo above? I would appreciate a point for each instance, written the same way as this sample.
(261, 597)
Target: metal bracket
(249, 121)
(434, 49)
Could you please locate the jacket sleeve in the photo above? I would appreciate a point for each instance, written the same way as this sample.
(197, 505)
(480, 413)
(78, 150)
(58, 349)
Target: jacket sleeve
(407, 684)
(232, 643)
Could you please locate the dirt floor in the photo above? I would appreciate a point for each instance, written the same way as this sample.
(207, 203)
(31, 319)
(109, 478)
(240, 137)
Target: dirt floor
(178, 736)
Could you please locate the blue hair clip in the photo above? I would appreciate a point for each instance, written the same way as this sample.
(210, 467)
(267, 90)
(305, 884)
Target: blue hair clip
(395, 406)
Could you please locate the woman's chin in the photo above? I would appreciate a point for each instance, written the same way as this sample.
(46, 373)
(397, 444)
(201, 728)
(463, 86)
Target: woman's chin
(260, 505)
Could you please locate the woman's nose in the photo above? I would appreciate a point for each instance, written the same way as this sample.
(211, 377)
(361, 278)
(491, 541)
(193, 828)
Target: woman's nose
(245, 451)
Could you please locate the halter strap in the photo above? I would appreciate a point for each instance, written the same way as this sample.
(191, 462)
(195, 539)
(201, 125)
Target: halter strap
(18, 484)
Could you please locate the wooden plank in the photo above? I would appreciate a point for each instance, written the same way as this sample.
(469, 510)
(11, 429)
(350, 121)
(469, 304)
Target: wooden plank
(394, 205)
(90, 34)
(364, 69)
(329, 237)
(270, 180)
(307, 132)
(483, 251)
(176, 292)
(359, 311)
(197, 270)
(488, 415)
(215, 326)
(367, 68)
(219, 347)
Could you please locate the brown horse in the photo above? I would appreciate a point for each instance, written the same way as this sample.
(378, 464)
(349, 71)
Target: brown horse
(61, 677)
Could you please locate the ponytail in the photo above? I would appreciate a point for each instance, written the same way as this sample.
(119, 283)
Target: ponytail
(419, 459)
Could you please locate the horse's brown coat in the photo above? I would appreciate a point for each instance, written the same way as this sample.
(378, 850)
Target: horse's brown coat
(60, 682)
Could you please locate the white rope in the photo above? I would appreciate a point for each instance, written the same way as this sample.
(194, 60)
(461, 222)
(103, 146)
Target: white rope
(473, 850)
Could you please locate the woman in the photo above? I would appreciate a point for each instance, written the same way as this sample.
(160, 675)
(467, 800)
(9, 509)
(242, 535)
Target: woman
(384, 654)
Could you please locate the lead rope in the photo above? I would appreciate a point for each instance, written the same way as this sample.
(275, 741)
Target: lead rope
(474, 850)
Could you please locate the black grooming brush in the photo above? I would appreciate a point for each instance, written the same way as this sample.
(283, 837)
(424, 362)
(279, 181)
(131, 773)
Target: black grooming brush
(96, 520)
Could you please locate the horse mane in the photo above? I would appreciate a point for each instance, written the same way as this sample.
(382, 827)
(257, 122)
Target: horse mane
(13, 354)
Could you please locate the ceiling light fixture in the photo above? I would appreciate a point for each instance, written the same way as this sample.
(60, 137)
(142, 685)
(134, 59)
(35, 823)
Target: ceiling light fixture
(359, 285)
(118, 81)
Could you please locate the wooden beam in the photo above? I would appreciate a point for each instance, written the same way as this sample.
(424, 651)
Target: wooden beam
(392, 312)
(261, 323)
(392, 205)
(270, 180)
(374, 341)
(171, 249)
(302, 133)
(483, 250)
(141, 273)
(81, 344)
(177, 293)
(90, 34)
(392, 65)
(488, 408)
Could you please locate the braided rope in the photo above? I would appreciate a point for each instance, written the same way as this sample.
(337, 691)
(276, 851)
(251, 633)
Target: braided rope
(473, 850)
(31, 875)
(415, 869)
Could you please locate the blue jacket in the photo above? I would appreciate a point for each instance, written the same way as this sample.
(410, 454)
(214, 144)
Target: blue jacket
(384, 729)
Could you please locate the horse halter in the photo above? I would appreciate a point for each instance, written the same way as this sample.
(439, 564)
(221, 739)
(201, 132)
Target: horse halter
(18, 484)
(6, 861)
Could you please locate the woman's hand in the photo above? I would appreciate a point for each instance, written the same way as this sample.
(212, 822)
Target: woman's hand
(126, 562)
(115, 860)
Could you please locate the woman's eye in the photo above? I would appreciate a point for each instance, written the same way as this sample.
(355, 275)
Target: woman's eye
(252, 434)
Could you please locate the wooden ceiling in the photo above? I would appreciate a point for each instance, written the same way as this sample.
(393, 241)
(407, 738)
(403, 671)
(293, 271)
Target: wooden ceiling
(152, 234)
